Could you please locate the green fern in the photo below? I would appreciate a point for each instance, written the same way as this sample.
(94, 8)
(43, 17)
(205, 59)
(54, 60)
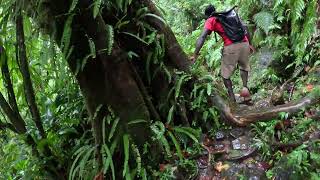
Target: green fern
(66, 36)
(136, 37)
(113, 128)
(183, 130)
(264, 20)
(183, 79)
(136, 151)
(110, 39)
(73, 5)
(92, 48)
(166, 71)
(159, 130)
(297, 11)
(108, 162)
(156, 17)
(85, 161)
(126, 169)
(137, 121)
(170, 114)
(74, 168)
(82, 159)
(177, 145)
(96, 7)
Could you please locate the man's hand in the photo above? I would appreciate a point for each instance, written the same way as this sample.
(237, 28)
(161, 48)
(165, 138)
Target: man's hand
(193, 58)
(252, 49)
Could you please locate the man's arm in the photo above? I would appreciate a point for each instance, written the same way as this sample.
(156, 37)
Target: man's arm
(200, 43)
(252, 49)
(247, 33)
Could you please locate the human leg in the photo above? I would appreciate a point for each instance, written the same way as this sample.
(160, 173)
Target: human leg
(228, 84)
(244, 77)
(244, 63)
(228, 65)
(244, 70)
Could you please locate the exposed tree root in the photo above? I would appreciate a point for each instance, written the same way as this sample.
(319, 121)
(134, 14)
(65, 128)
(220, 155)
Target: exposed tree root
(244, 118)
(315, 136)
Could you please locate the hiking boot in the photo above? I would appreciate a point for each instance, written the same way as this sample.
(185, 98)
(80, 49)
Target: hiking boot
(246, 96)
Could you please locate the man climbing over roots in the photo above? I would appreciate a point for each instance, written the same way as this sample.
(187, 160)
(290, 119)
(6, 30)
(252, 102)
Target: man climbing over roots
(236, 48)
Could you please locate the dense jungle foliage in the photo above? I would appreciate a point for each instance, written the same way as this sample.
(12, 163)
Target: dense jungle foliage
(103, 89)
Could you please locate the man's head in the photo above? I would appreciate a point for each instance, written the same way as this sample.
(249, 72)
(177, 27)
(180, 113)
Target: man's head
(209, 10)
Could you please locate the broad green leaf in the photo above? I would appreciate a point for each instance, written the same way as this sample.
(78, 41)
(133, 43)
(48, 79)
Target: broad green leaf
(126, 155)
(177, 145)
(136, 37)
(109, 161)
(170, 114)
(73, 5)
(137, 121)
(113, 128)
(96, 8)
(183, 131)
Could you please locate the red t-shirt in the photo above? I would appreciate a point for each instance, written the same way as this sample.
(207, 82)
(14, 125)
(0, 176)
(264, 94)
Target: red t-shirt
(213, 25)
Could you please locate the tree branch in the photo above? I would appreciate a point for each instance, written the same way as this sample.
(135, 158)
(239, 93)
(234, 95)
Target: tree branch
(29, 92)
(4, 126)
(244, 118)
(14, 118)
(176, 55)
(8, 82)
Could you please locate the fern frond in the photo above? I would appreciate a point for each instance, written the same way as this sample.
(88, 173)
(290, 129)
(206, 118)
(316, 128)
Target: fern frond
(170, 114)
(126, 155)
(96, 8)
(92, 48)
(66, 36)
(183, 79)
(137, 121)
(110, 39)
(113, 128)
(135, 36)
(177, 145)
(78, 153)
(109, 161)
(136, 151)
(264, 20)
(186, 132)
(73, 5)
(166, 71)
(298, 7)
(84, 161)
(159, 130)
(156, 17)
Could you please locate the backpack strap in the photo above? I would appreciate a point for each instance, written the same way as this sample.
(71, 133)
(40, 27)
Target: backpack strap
(222, 13)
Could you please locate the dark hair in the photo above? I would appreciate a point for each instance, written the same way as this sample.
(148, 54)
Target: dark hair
(209, 10)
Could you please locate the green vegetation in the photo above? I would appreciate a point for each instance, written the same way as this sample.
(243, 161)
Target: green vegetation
(101, 89)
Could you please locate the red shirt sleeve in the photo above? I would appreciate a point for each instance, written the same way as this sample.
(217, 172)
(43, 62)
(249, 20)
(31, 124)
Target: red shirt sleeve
(210, 24)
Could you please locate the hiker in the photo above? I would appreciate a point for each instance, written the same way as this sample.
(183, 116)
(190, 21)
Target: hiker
(236, 48)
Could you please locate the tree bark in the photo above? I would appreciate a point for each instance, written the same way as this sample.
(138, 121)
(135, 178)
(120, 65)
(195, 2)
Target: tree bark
(4, 126)
(28, 87)
(15, 119)
(8, 82)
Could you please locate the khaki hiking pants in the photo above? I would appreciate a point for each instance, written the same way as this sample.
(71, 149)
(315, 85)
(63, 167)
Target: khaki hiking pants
(233, 55)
